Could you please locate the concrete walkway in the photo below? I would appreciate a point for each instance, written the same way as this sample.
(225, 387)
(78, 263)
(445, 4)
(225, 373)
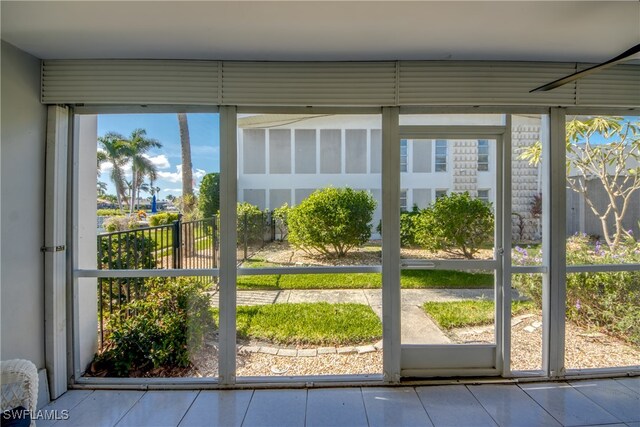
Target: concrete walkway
(417, 327)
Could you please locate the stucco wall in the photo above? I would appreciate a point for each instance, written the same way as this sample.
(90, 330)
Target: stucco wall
(22, 222)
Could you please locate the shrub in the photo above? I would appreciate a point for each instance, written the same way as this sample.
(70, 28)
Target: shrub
(160, 330)
(164, 218)
(251, 220)
(110, 212)
(332, 221)
(457, 224)
(407, 226)
(602, 300)
(120, 223)
(209, 195)
(281, 217)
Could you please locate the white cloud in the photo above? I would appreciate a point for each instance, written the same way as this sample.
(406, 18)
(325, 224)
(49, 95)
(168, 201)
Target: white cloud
(172, 190)
(176, 176)
(160, 161)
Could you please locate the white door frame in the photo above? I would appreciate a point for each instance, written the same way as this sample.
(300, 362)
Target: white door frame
(418, 360)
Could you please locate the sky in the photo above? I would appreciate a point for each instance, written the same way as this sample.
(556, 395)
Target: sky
(205, 146)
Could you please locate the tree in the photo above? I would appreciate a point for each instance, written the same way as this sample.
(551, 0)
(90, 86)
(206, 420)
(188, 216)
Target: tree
(606, 150)
(113, 150)
(185, 151)
(209, 195)
(456, 224)
(332, 221)
(135, 149)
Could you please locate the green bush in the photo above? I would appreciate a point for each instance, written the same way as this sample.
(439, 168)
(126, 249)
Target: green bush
(604, 300)
(110, 212)
(407, 227)
(332, 221)
(457, 224)
(281, 217)
(251, 222)
(164, 218)
(209, 195)
(120, 223)
(160, 330)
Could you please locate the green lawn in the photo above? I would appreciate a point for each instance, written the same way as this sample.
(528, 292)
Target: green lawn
(410, 279)
(318, 323)
(460, 314)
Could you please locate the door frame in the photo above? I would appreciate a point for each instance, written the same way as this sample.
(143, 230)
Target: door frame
(445, 360)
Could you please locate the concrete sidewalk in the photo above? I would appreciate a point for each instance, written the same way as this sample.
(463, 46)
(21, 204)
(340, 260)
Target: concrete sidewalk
(417, 327)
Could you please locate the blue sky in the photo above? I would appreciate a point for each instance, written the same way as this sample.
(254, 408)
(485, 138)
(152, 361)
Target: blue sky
(205, 145)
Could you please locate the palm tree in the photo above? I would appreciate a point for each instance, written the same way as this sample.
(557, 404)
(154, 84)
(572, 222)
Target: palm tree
(112, 146)
(185, 145)
(135, 148)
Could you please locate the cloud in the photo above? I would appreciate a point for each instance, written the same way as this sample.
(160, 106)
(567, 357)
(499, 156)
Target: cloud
(160, 161)
(176, 176)
(172, 190)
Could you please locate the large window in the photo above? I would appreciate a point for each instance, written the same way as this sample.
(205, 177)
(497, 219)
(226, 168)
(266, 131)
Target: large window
(483, 155)
(403, 155)
(441, 156)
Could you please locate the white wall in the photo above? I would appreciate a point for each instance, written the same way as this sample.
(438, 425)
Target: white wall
(22, 207)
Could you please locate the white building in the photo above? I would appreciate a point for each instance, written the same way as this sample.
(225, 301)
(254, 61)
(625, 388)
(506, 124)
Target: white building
(284, 158)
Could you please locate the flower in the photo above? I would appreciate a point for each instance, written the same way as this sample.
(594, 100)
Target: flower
(578, 305)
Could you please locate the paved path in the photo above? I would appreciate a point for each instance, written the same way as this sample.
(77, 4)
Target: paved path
(417, 327)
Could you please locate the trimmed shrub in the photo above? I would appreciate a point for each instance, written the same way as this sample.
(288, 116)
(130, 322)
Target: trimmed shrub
(457, 224)
(164, 218)
(110, 212)
(332, 221)
(120, 223)
(160, 330)
(407, 227)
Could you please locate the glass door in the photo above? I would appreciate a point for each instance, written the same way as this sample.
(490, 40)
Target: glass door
(452, 248)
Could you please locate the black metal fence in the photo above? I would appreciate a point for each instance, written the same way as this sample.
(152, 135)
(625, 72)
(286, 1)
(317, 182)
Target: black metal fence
(180, 245)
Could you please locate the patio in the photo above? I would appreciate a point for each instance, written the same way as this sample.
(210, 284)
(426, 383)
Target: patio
(612, 402)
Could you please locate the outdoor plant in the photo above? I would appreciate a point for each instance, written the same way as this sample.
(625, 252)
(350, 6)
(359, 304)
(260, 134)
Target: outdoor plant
(109, 212)
(209, 195)
(120, 223)
(281, 217)
(332, 221)
(407, 226)
(164, 218)
(251, 222)
(457, 224)
(607, 301)
(161, 330)
(605, 150)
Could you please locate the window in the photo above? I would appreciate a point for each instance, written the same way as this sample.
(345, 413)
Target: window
(483, 156)
(403, 155)
(440, 193)
(441, 156)
(483, 195)
(403, 200)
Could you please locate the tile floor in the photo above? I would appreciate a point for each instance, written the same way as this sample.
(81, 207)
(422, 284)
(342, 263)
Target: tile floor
(610, 402)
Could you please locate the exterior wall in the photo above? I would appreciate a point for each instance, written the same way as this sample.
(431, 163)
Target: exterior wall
(346, 151)
(22, 228)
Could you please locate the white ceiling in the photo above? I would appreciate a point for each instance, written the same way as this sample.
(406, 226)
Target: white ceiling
(584, 31)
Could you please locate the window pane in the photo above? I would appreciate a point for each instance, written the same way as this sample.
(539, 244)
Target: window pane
(152, 327)
(603, 197)
(441, 156)
(403, 155)
(302, 323)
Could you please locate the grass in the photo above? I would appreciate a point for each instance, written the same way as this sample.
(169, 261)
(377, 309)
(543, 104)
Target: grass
(317, 323)
(460, 314)
(410, 279)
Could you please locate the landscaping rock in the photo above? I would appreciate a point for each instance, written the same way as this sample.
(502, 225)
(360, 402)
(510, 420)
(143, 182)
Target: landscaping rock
(365, 349)
(346, 350)
(268, 350)
(288, 352)
(327, 350)
(307, 352)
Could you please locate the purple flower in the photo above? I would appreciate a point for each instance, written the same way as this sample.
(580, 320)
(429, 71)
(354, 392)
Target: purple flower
(578, 305)
(599, 251)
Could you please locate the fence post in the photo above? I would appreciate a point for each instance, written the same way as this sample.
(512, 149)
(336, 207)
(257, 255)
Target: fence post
(176, 243)
(213, 240)
(273, 226)
(245, 237)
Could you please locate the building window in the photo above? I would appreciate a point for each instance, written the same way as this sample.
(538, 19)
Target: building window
(403, 200)
(441, 156)
(483, 195)
(403, 155)
(440, 193)
(483, 155)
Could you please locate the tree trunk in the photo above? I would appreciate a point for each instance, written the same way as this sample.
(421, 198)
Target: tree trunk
(185, 145)
(187, 179)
